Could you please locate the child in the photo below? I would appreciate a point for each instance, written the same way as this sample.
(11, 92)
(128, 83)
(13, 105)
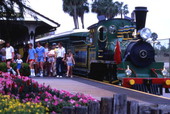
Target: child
(31, 59)
(19, 63)
(70, 62)
(51, 59)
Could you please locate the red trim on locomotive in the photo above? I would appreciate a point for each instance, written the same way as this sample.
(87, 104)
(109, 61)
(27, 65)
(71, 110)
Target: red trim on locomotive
(125, 81)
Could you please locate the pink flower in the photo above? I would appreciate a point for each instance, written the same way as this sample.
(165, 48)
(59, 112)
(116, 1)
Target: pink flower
(72, 101)
(54, 97)
(27, 95)
(53, 112)
(77, 105)
(46, 99)
(55, 103)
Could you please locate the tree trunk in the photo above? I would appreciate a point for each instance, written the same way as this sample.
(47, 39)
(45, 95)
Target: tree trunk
(82, 21)
(77, 22)
(75, 18)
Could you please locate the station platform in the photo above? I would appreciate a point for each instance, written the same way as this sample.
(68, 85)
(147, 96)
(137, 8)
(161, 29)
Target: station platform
(99, 89)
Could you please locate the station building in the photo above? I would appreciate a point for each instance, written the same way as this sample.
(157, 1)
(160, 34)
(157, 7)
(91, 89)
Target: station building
(22, 31)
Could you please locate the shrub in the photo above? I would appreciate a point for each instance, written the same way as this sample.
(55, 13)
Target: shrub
(25, 71)
(3, 67)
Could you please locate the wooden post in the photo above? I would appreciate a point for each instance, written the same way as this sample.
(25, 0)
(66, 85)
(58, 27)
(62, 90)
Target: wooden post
(154, 110)
(132, 107)
(144, 109)
(106, 105)
(94, 108)
(81, 110)
(68, 110)
(120, 104)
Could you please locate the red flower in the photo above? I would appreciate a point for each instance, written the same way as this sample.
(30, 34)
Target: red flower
(13, 85)
(21, 89)
(34, 85)
(28, 82)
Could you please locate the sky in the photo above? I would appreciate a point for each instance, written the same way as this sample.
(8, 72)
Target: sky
(158, 18)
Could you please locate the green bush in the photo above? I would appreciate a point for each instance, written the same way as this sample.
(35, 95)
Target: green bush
(24, 69)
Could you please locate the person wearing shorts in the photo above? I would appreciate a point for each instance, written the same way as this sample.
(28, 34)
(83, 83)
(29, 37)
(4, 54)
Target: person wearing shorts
(70, 63)
(40, 50)
(19, 64)
(31, 59)
(51, 60)
(9, 51)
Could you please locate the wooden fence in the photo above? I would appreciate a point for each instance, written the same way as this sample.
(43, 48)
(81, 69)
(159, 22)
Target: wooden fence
(116, 105)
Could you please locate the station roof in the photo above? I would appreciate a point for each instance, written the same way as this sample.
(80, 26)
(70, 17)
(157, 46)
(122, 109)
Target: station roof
(74, 33)
(17, 30)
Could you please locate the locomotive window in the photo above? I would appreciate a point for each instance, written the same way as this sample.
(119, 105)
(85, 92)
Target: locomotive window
(102, 33)
(112, 29)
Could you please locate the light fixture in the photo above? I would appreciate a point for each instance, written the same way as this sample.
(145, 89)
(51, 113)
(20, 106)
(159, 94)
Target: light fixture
(128, 72)
(112, 29)
(164, 72)
(145, 33)
(167, 82)
(131, 81)
(154, 36)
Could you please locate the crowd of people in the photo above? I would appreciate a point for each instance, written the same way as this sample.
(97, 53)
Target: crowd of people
(43, 60)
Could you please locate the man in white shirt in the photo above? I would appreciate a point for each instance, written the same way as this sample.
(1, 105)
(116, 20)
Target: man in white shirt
(60, 59)
(9, 57)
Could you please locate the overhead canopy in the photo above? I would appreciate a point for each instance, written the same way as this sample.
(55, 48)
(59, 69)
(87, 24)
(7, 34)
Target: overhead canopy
(17, 31)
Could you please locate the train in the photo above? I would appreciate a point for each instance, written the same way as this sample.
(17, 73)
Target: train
(117, 51)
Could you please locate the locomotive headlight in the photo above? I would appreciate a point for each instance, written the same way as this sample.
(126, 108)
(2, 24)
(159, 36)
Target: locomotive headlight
(132, 82)
(167, 82)
(145, 33)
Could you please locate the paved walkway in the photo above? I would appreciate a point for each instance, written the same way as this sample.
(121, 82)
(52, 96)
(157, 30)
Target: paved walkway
(95, 89)
(76, 87)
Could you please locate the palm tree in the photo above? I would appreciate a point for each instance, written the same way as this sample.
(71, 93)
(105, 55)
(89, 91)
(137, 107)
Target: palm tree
(122, 9)
(81, 10)
(7, 9)
(108, 8)
(70, 7)
(105, 7)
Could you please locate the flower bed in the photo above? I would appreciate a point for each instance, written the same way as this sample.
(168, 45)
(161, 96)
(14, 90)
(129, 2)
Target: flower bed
(13, 106)
(27, 90)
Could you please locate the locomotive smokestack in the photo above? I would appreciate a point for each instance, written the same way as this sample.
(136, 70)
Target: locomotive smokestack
(140, 13)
